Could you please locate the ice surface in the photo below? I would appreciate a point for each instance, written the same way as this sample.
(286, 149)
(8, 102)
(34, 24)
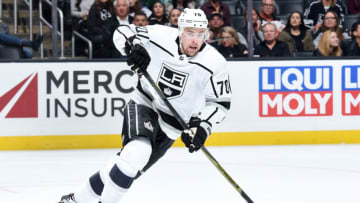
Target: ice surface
(278, 174)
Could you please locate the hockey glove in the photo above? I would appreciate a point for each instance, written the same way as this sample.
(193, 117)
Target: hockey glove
(138, 58)
(195, 137)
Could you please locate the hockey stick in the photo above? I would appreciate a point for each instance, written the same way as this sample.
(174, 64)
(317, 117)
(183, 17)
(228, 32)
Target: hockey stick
(203, 148)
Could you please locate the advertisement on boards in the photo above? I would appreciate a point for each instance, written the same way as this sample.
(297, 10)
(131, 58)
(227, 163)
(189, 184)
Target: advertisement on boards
(63, 98)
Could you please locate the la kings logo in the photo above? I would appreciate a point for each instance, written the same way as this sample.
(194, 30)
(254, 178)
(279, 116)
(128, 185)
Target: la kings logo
(172, 82)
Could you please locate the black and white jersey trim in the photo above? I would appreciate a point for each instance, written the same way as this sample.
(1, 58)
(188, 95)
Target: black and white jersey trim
(202, 66)
(213, 86)
(162, 48)
(211, 115)
(225, 104)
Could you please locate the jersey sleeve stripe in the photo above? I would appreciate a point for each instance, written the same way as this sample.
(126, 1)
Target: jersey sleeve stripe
(225, 104)
(156, 44)
(213, 86)
(127, 39)
(202, 66)
(143, 36)
(211, 115)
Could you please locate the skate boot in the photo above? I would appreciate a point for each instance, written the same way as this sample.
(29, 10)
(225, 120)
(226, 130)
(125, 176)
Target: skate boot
(68, 198)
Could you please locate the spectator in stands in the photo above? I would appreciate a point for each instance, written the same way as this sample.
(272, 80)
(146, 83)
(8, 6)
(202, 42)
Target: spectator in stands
(100, 25)
(158, 14)
(122, 12)
(331, 22)
(180, 4)
(271, 46)
(80, 9)
(137, 7)
(296, 35)
(353, 6)
(230, 46)
(315, 13)
(216, 6)
(211, 40)
(216, 22)
(140, 19)
(10, 40)
(257, 34)
(329, 45)
(173, 17)
(351, 47)
(267, 15)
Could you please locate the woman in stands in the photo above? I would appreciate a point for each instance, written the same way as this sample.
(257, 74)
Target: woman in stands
(230, 46)
(158, 14)
(331, 22)
(257, 33)
(180, 4)
(99, 24)
(329, 45)
(296, 35)
(137, 7)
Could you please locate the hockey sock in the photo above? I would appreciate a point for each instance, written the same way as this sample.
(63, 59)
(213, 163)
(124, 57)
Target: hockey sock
(133, 158)
(91, 190)
(116, 187)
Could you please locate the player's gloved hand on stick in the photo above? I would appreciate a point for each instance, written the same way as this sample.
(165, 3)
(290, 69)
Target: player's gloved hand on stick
(195, 137)
(137, 57)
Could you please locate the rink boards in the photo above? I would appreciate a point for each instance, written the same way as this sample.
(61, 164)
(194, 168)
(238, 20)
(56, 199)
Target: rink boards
(65, 104)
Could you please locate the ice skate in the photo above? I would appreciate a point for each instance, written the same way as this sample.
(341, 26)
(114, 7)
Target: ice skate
(68, 198)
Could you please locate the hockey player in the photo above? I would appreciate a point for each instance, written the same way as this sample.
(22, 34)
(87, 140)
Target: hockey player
(193, 76)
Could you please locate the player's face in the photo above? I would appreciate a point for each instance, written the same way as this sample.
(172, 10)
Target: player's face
(191, 40)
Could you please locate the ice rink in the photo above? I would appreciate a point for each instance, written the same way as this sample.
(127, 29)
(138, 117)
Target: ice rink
(268, 174)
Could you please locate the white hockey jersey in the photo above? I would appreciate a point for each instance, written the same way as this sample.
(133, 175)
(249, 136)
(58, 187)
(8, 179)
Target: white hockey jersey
(195, 86)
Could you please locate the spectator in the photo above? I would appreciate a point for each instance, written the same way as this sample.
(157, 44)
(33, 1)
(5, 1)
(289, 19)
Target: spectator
(353, 6)
(351, 47)
(271, 46)
(331, 22)
(257, 34)
(80, 9)
(180, 4)
(137, 7)
(216, 22)
(329, 45)
(315, 13)
(267, 15)
(140, 19)
(100, 25)
(122, 12)
(216, 6)
(230, 46)
(10, 40)
(296, 35)
(211, 40)
(173, 17)
(158, 14)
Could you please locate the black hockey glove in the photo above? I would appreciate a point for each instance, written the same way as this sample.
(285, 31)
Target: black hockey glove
(195, 137)
(137, 57)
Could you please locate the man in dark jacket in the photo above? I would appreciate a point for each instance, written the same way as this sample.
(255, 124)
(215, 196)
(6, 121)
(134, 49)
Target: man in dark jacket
(351, 47)
(271, 46)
